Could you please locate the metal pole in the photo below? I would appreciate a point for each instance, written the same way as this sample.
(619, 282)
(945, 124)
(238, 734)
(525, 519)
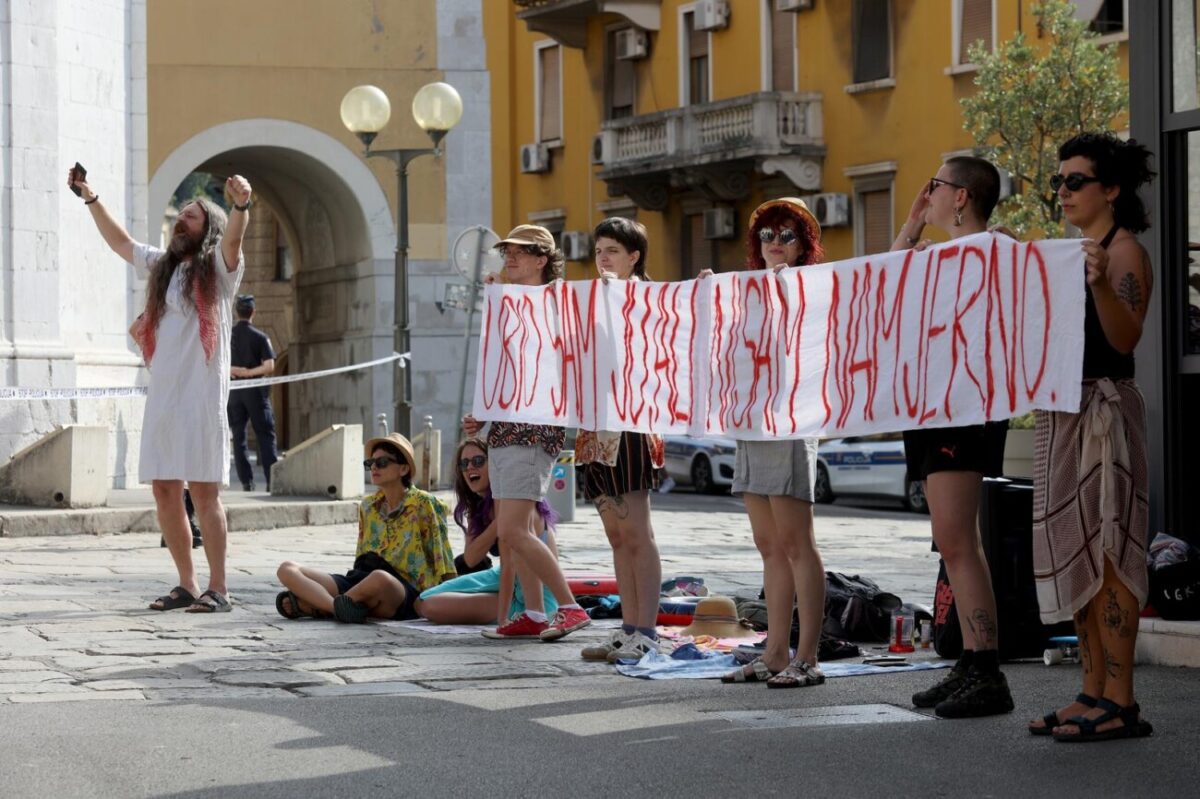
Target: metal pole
(462, 384)
(403, 385)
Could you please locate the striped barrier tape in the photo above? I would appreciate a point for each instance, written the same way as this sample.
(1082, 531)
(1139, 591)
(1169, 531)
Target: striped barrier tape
(19, 393)
(566, 458)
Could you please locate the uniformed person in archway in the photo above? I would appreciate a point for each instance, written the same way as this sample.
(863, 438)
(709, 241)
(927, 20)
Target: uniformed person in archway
(252, 356)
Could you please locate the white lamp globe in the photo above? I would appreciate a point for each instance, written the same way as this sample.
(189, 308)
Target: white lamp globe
(437, 107)
(365, 109)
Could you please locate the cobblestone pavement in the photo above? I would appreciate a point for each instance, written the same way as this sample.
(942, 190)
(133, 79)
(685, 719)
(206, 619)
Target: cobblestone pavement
(74, 624)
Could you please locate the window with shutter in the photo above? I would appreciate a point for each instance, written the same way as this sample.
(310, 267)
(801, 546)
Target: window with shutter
(974, 24)
(697, 61)
(876, 219)
(549, 86)
(783, 50)
(621, 81)
(872, 40)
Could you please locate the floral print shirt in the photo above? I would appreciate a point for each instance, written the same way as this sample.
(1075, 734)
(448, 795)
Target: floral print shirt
(413, 538)
(514, 434)
(604, 446)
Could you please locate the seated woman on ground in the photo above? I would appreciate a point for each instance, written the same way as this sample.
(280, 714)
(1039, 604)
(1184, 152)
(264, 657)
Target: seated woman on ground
(483, 593)
(403, 548)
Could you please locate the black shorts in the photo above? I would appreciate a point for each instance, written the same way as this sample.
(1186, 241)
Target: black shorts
(355, 576)
(634, 471)
(975, 448)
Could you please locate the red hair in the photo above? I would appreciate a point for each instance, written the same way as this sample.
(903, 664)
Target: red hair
(811, 251)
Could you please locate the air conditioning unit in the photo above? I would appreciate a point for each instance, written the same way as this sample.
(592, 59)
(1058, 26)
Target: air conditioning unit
(576, 245)
(831, 210)
(711, 15)
(718, 223)
(793, 5)
(598, 149)
(632, 44)
(535, 158)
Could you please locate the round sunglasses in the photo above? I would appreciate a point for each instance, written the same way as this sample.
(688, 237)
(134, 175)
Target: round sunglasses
(1074, 181)
(475, 460)
(786, 235)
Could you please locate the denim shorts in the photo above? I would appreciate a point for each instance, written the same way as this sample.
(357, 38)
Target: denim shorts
(520, 472)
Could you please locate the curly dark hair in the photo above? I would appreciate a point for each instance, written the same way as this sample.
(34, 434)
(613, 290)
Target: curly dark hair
(811, 251)
(555, 266)
(1125, 164)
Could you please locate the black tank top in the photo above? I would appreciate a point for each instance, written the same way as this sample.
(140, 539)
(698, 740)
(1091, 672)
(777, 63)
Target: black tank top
(1100, 359)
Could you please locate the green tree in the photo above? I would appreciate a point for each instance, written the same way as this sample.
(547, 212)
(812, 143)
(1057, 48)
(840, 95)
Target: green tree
(198, 184)
(1031, 99)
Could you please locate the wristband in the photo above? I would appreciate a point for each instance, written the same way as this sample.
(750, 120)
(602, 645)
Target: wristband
(245, 207)
(94, 198)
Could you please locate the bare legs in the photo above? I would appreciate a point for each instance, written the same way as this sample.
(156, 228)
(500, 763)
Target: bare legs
(954, 513)
(636, 560)
(382, 593)
(514, 521)
(1107, 628)
(172, 519)
(792, 568)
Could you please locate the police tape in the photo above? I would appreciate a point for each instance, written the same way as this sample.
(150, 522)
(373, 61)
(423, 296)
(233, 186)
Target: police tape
(566, 458)
(19, 393)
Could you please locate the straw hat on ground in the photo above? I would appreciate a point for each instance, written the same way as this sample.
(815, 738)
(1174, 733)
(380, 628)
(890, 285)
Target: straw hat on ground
(717, 616)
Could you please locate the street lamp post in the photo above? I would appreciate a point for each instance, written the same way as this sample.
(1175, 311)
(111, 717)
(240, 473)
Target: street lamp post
(437, 108)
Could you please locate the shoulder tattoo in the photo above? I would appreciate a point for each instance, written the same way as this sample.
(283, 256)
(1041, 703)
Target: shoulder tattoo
(1130, 290)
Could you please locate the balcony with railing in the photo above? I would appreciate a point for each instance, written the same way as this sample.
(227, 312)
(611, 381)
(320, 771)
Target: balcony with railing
(565, 21)
(717, 145)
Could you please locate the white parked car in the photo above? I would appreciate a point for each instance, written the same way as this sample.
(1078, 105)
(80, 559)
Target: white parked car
(705, 464)
(868, 466)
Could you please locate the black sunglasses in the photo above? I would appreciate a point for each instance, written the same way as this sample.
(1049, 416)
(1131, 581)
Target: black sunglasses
(1074, 181)
(475, 460)
(786, 235)
(382, 462)
(935, 182)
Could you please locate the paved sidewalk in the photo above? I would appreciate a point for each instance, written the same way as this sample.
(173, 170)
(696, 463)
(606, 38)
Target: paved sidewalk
(74, 623)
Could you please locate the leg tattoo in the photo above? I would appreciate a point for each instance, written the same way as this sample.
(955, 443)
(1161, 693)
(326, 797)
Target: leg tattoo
(984, 628)
(1115, 617)
(1111, 666)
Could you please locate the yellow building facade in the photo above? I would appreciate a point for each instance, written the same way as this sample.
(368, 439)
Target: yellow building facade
(687, 113)
(256, 88)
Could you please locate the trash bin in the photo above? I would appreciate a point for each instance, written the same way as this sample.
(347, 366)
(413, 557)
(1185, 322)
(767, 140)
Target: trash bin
(562, 486)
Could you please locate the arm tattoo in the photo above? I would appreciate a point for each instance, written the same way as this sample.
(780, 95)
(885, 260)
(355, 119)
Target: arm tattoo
(1130, 291)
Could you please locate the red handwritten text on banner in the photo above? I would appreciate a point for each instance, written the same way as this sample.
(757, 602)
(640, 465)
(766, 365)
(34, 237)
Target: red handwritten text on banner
(980, 328)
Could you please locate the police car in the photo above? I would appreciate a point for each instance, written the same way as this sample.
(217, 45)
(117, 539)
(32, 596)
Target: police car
(867, 466)
(705, 464)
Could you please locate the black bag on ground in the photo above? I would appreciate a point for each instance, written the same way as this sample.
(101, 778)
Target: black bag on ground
(1175, 591)
(856, 609)
(947, 634)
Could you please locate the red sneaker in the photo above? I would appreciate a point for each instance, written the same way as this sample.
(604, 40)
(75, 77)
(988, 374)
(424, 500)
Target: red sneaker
(566, 621)
(519, 626)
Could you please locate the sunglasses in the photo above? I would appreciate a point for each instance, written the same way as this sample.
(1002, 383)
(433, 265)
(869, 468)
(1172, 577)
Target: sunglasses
(475, 460)
(935, 182)
(382, 462)
(1074, 181)
(786, 236)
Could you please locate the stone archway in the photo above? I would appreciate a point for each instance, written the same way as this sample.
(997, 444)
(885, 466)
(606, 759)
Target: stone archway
(337, 219)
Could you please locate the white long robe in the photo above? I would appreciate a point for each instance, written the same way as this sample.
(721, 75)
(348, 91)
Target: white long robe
(185, 430)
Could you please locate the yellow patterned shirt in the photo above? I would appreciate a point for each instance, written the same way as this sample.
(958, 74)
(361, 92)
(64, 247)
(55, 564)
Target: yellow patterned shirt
(413, 538)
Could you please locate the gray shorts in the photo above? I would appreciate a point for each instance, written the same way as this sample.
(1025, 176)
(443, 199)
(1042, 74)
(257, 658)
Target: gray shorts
(776, 468)
(520, 472)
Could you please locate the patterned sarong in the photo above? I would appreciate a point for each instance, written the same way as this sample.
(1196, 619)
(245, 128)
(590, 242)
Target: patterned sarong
(1090, 498)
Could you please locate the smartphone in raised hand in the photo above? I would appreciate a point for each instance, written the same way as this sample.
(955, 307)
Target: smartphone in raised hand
(78, 173)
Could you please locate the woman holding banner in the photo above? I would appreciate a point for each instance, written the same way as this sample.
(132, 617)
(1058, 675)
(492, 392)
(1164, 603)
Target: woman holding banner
(952, 461)
(776, 480)
(520, 460)
(619, 472)
(1090, 479)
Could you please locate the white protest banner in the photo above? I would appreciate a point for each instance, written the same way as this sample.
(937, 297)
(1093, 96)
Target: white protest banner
(979, 328)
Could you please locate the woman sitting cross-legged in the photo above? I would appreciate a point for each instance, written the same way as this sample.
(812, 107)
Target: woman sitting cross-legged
(482, 593)
(403, 548)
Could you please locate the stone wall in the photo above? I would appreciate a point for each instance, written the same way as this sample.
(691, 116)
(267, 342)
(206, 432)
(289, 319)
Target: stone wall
(72, 87)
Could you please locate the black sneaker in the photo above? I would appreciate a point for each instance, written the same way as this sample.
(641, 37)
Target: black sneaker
(944, 689)
(980, 695)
